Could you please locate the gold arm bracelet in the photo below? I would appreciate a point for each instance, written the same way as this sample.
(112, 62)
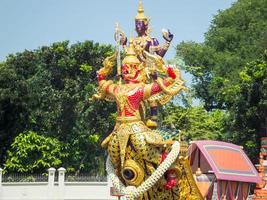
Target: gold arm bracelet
(166, 45)
(101, 94)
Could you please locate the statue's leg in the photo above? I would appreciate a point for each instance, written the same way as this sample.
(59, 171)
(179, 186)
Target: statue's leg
(152, 122)
(114, 151)
(146, 151)
(150, 158)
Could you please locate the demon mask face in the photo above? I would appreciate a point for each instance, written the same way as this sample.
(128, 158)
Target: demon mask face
(133, 73)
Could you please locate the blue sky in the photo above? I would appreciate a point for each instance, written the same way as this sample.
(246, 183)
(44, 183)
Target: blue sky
(29, 24)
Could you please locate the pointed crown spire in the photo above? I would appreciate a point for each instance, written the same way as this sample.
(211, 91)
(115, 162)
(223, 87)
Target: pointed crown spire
(130, 57)
(140, 12)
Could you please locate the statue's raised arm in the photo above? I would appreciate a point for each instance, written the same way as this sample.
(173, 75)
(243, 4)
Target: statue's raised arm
(143, 41)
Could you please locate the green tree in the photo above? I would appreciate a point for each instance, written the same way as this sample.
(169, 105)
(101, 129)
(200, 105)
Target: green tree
(229, 69)
(31, 152)
(249, 111)
(236, 36)
(195, 123)
(13, 107)
(47, 90)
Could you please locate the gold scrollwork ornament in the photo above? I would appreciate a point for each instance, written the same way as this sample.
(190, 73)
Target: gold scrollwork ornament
(136, 169)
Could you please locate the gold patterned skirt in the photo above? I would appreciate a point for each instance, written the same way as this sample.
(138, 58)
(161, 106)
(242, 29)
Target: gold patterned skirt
(135, 152)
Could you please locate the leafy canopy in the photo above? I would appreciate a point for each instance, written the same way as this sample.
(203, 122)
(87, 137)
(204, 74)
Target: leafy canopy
(30, 152)
(229, 70)
(47, 91)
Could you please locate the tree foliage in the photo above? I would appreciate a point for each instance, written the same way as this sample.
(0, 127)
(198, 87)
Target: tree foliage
(236, 36)
(47, 91)
(229, 69)
(194, 122)
(30, 152)
(249, 111)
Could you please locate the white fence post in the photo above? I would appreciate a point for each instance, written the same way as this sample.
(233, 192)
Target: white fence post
(51, 183)
(61, 176)
(51, 176)
(61, 180)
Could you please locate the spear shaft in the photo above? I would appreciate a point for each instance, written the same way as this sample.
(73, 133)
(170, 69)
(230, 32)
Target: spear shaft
(117, 38)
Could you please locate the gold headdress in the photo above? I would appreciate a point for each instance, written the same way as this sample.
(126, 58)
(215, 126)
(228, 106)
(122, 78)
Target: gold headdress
(130, 57)
(140, 12)
(133, 65)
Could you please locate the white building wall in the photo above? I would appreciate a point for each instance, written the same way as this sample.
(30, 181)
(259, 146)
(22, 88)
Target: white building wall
(41, 191)
(55, 190)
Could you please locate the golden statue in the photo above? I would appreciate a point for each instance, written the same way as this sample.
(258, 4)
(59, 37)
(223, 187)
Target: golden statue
(144, 163)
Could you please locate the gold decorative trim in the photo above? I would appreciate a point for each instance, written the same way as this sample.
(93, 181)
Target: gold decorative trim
(108, 64)
(166, 45)
(167, 89)
(138, 171)
(147, 91)
(128, 119)
(195, 193)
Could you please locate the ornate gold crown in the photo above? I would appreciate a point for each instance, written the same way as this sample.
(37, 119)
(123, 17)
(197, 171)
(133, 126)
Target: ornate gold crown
(140, 12)
(130, 57)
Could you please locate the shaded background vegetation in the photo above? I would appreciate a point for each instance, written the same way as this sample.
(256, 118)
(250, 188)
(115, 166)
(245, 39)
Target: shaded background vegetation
(47, 91)
(229, 70)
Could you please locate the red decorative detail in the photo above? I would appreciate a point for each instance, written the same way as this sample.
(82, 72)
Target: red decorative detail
(107, 90)
(171, 72)
(133, 102)
(163, 156)
(101, 77)
(156, 88)
(124, 69)
(171, 179)
(171, 176)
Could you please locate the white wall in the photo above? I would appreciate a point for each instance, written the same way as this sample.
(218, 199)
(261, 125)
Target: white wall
(55, 190)
(70, 191)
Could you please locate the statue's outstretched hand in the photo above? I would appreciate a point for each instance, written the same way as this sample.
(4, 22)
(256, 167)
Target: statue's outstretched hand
(167, 35)
(123, 40)
(108, 64)
(120, 37)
